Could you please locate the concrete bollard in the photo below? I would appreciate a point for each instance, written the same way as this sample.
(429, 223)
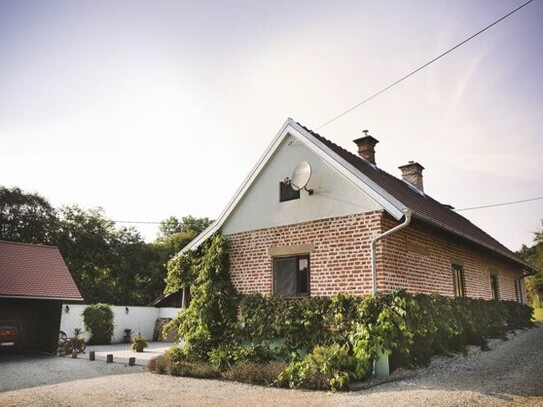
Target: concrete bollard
(92, 355)
(109, 358)
(131, 361)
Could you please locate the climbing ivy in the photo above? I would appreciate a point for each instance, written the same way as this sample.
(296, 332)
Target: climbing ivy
(326, 341)
(209, 319)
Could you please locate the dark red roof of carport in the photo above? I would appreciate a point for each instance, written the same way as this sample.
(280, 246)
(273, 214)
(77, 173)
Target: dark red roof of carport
(35, 271)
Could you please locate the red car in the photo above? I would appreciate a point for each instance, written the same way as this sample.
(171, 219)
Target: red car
(10, 333)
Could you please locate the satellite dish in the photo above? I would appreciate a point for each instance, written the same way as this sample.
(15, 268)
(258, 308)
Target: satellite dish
(300, 176)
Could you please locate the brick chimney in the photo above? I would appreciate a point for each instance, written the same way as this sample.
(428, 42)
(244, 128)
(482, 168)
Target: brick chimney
(366, 147)
(412, 173)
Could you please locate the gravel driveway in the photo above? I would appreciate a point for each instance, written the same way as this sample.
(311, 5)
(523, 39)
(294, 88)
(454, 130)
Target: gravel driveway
(510, 374)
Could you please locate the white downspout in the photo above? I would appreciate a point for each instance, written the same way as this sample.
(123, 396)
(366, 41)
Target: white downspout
(405, 223)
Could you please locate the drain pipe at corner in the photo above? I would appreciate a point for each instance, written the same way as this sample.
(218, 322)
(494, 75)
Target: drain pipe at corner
(406, 222)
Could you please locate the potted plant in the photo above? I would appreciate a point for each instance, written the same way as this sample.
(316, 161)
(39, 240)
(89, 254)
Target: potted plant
(139, 343)
(127, 335)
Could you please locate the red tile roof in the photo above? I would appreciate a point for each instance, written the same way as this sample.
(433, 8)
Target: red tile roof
(424, 207)
(35, 271)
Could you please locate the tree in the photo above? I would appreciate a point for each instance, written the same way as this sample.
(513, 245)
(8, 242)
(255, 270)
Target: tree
(26, 217)
(534, 256)
(173, 226)
(85, 239)
(109, 265)
(138, 271)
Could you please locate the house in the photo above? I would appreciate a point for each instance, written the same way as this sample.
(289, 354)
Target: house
(353, 228)
(34, 281)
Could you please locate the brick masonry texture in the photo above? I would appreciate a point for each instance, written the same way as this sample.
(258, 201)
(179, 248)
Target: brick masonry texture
(417, 258)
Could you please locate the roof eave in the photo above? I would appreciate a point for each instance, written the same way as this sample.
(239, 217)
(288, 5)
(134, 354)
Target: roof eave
(463, 235)
(394, 207)
(31, 297)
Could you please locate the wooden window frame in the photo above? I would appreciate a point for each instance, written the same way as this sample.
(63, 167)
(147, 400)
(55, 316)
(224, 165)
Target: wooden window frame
(459, 285)
(298, 258)
(495, 286)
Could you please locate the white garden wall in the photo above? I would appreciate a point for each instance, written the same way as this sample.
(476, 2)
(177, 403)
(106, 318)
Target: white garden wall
(139, 319)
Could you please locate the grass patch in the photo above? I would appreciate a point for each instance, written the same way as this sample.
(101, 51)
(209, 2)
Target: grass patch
(538, 314)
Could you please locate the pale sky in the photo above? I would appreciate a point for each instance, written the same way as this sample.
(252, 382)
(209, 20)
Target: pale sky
(158, 108)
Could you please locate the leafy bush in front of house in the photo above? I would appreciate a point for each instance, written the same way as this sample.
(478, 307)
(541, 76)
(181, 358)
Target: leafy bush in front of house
(225, 356)
(299, 324)
(98, 320)
(264, 374)
(175, 363)
(325, 368)
(321, 343)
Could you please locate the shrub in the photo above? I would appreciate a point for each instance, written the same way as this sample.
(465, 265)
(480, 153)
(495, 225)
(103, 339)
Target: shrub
(98, 320)
(200, 370)
(326, 368)
(225, 355)
(158, 364)
(265, 374)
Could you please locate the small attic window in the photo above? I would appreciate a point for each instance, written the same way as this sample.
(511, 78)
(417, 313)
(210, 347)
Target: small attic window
(286, 193)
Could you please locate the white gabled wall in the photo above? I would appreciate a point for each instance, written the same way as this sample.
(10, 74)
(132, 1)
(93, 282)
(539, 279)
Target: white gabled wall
(334, 195)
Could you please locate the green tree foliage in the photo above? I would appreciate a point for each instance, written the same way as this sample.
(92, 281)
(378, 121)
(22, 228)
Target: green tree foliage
(137, 271)
(26, 217)
(534, 256)
(86, 240)
(187, 225)
(109, 265)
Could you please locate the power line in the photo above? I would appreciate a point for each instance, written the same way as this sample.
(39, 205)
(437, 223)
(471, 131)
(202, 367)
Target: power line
(500, 204)
(136, 222)
(139, 222)
(457, 210)
(422, 67)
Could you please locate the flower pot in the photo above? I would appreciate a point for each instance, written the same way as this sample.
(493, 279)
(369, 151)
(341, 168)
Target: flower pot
(127, 339)
(139, 348)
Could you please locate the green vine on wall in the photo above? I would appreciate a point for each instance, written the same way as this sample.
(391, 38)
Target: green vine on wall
(209, 319)
(326, 341)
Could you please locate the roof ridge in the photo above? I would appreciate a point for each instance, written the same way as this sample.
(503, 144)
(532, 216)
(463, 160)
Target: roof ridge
(44, 245)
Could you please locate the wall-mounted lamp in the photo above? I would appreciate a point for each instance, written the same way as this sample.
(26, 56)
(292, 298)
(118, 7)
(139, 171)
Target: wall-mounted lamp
(67, 309)
(126, 310)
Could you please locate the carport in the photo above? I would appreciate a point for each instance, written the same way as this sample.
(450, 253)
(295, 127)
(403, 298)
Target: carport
(34, 281)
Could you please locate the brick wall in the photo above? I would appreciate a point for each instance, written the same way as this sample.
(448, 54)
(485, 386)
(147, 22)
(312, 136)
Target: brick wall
(420, 258)
(339, 261)
(417, 258)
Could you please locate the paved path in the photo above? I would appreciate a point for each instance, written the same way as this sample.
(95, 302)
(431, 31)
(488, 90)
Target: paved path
(123, 351)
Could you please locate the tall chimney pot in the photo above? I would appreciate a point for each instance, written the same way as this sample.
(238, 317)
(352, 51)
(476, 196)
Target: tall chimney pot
(366, 147)
(412, 173)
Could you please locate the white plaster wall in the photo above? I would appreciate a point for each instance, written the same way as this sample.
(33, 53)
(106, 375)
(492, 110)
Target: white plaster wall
(139, 319)
(334, 195)
(168, 312)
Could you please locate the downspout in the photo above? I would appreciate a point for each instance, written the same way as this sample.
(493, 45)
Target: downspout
(374, 241)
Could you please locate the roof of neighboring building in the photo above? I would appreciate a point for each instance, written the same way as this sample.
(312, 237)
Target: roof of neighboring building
(396, 195)
(35, 271)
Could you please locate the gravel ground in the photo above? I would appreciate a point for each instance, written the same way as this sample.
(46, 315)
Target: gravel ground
(510, 374)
